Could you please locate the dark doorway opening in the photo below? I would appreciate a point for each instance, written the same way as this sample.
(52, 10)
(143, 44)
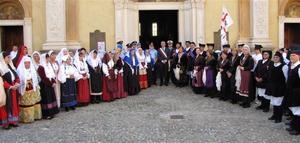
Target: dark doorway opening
(10, 36)
(164, 21)
(291, 34)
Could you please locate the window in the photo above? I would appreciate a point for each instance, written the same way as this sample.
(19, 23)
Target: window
(154, 29)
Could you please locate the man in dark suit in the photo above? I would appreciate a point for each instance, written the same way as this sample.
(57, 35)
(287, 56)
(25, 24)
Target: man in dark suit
(164, 54)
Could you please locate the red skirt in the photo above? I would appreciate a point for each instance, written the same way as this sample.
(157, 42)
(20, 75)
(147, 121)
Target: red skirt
(245, 80)
(121, 92)
(143, 81)
(6, 119)
(109, 92)
(83, 91)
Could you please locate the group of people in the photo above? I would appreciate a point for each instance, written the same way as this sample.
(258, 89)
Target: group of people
(37, 86)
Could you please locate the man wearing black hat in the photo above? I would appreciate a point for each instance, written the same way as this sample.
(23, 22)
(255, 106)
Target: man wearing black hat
(275, 86)
(261, 74)
(293, 90)
(256, 57)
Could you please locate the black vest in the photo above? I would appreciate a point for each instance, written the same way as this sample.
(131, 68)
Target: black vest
(293, 87)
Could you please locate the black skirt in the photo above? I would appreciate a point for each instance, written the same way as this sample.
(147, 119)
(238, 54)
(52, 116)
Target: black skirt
(48, 102)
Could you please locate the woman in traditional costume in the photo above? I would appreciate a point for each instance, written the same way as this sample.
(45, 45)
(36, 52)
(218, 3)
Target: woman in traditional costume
(132, 61)
(150, 67)
(243, 76)
(55, 67)
(234, 62)
(9, 114)
(119, 64)
(209, 77)
(223, 68)
(95, 65)
(30, 107)
(83, 88)
(68, 75)
(197, 81)
(142, 68)
(180, 68)
(63, 52)
(110, 83)
(47, 84)
(36, 59)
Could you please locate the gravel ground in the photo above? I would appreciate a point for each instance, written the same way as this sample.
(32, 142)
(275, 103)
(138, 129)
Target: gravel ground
(146, 118)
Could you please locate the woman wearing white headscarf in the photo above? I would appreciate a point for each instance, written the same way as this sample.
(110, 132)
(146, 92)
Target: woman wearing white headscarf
(94, 65)
(47, 84)
(68, 75)
(36, 56)
(83, 97)
(243, 76)
(142, 68)
(30, 107)
(9, 114)
(55, 67)
(63, 52)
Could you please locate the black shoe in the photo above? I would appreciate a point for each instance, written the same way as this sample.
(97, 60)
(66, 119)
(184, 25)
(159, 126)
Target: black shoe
(271, 118)
(206, 95)
(166, 84)
(67, 109)
(242, 104)
(233, 102)
(161, 84)
(277, 121)
(266, 110)
(73, 108)
(259, 107)
(14, 125)
(7, 127)
(246, 106)
(289, 129)
(294, 132)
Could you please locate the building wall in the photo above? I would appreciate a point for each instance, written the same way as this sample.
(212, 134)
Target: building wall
(93, 15)
(38, 24)
(273, 23)
(99, 14)
(213, 12)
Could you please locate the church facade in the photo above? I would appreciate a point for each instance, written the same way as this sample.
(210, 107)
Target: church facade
(54, 24)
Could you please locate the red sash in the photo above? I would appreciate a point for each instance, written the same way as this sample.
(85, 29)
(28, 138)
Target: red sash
(162, 52)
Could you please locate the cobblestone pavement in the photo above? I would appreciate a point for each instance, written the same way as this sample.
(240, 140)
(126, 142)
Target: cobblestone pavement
(146, 118)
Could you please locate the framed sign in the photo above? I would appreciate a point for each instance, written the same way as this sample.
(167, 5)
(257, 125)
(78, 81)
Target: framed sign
(97, 40)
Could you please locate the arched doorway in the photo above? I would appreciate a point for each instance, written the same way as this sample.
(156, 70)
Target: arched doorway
(15, 24)
(289, 23)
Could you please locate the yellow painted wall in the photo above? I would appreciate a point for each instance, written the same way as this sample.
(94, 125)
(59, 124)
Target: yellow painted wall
(96, 14)
(38, 24)
(99, 14)
(213, 11)
(273, 23)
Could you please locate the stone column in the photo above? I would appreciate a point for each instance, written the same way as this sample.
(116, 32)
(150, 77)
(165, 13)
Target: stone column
(56, 26)
(27, 30)
(259, 17)
(244, 22)
(194, 27)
